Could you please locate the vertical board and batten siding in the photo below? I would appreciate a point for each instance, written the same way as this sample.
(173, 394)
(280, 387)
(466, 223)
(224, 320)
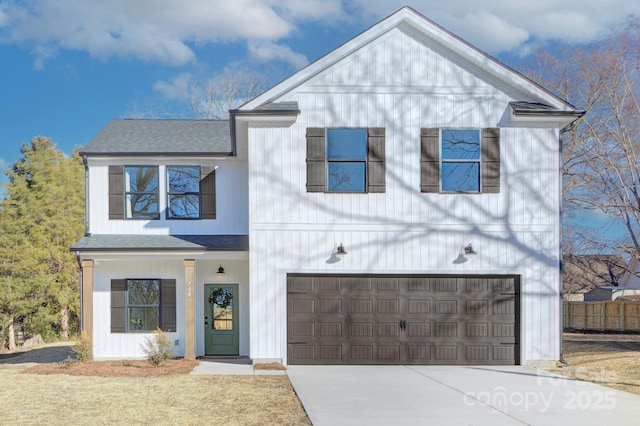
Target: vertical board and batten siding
(399, 83)
(108, 345)
(231, 215)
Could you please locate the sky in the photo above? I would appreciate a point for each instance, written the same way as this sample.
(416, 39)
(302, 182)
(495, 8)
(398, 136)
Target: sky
(67, 67)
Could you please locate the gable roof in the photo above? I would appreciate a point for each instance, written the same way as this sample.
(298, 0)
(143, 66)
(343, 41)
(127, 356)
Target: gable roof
(133, 137)
(583, 273)
(438, 35)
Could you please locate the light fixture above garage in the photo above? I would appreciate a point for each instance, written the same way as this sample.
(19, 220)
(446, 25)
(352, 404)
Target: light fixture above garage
(468, 250)
(221, 270)
(340, 251)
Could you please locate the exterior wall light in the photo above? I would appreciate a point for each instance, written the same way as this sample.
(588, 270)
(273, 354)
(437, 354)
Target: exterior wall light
(221, 270)
(340, 251)
(468, 250)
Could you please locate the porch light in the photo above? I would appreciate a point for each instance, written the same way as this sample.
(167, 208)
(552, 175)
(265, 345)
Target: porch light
(340, 251)
(220, 270)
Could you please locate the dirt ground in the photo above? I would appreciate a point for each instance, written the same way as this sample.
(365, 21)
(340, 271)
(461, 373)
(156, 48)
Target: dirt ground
(135, 392)
(608, 359)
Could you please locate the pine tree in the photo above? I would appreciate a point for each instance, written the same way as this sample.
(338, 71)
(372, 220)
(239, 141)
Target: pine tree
(42, 216)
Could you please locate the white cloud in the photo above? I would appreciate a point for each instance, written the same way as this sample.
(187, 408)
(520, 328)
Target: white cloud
(166, 31)
(3, 166)
(500, 25)
(268, 51)
(152, 30)
(176, 89)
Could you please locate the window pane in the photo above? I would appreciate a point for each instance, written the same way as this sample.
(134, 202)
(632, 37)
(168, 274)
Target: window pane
(347, 144)
(222, 308)
(346, 176)
(143, 319)
(461, 177)
(460, 144)
(183, 179)
(141, 179)
(142, 206)
(184, 206)
(143, 292)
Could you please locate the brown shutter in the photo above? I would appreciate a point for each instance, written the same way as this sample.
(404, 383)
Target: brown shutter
(118, 306)
(316, 153)
(430, 160)
(116, 192)
(491, 160)
(376, 159)
(207, 192)
(168, 305)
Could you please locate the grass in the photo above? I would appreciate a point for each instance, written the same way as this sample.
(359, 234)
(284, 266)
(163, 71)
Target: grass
(605, 359)
(135, 392)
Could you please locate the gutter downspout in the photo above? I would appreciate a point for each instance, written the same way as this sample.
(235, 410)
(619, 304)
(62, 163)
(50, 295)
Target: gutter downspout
(564, 130)
(87, 224)
(77, 253)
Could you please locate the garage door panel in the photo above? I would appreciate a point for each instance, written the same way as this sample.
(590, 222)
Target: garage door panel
(402, 320)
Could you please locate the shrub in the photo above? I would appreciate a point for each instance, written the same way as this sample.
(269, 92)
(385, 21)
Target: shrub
(83, 347)
(158, 348)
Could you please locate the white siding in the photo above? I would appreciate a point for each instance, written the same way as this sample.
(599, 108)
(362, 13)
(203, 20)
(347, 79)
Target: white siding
(231, 200)
(398, 83)
(109, 345)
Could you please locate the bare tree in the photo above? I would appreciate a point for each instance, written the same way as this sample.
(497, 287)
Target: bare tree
(228, 89)
(600, 155)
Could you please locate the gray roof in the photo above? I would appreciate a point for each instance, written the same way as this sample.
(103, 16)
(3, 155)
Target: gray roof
(162, 242)
(279, 106)
(164, 137)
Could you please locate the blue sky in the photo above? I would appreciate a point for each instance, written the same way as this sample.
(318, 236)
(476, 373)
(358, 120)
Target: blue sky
(68, 67)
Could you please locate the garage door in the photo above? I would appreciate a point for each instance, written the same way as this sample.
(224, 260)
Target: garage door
(378, 319)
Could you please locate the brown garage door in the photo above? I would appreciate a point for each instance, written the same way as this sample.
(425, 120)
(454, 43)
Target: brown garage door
(380, 319)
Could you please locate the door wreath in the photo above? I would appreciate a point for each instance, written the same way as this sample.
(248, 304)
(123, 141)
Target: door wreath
(221, 297)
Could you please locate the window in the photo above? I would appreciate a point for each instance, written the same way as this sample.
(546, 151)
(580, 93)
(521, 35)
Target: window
(460, 160)
(134, 192)
(143, 305)
(141, 192)
(183, 192)
(346, 160)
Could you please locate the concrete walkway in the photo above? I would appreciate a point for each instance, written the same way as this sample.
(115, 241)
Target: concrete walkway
(449, 395)
(242, 367)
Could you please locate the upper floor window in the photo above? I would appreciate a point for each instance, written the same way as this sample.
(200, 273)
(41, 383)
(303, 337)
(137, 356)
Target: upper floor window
(346, 160)
(134, 192)
(460, 160)
(141, 192)
(183, 192)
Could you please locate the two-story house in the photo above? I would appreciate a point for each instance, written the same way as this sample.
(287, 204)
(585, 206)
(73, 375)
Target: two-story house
(396, 201)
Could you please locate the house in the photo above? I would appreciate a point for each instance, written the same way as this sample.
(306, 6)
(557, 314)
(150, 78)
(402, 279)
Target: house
(582, 274)
(395, 202)
(627, 288)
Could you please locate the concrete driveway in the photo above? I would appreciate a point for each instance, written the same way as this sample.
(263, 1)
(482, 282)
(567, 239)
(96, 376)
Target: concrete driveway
(449, 395)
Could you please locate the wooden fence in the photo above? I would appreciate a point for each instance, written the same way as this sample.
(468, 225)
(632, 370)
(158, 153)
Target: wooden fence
(602, 316)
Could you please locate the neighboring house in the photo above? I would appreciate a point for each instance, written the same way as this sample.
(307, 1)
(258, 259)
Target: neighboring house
(628, 287)
(583, 273)
(395, 202)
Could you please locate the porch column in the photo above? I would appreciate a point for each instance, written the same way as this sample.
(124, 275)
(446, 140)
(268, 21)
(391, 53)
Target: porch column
(189, 308)
(86, 269)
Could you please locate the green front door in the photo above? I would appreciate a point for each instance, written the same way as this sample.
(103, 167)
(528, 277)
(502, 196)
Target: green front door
(221, 319)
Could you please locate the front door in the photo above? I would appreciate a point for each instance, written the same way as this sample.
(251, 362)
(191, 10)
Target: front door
(221, 319)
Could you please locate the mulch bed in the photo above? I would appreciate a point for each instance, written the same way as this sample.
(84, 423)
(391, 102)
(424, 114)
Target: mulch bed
(123, 368)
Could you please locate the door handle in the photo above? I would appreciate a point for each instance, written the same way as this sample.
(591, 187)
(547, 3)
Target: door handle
(403, 324)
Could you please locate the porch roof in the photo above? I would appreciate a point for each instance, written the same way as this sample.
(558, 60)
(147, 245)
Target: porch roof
(162, 242)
